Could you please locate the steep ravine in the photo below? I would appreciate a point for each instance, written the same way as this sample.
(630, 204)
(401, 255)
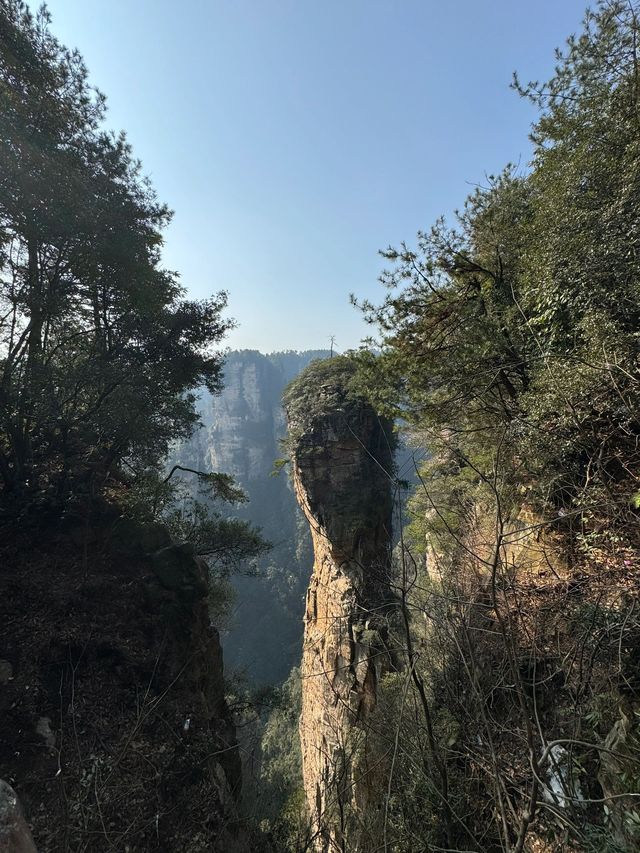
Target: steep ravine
(240, 435)
(341, 460)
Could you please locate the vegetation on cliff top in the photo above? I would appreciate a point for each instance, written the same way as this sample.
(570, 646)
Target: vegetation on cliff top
(327, 388)
(324, 387)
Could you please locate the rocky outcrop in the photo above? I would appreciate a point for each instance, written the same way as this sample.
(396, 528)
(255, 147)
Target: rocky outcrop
(15, 836)
(341, 461)
(113, 721)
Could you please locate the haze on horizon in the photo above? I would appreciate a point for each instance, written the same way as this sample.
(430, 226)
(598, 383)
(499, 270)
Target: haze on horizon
(294, 140)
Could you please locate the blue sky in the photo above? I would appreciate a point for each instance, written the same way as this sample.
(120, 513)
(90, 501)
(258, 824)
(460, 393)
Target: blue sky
(295, 138)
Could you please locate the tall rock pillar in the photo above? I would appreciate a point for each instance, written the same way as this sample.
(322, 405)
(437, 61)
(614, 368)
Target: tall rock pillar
(342, 461)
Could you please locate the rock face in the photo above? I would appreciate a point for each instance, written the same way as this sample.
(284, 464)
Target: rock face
(113, 721)
(242, 426)
(240, 435)
(15, 836)
(341, 462)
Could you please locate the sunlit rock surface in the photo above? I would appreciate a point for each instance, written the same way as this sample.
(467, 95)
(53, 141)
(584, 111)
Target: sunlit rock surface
(341, 460)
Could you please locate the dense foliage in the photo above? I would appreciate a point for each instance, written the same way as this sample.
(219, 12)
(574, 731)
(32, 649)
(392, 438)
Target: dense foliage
(515, 331)
(101, 358)
(99, 349)
(509, 344)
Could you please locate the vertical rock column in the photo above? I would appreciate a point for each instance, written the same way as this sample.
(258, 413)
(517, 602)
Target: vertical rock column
(341, 460)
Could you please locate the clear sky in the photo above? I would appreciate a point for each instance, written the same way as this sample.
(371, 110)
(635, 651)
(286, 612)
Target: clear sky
(295, 138)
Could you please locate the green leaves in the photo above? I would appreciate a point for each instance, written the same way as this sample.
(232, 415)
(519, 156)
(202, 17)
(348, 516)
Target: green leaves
(98, 350)
(510, 338)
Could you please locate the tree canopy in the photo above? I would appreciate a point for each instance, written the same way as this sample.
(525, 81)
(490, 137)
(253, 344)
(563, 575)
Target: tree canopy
(100, 351)
(514, 331)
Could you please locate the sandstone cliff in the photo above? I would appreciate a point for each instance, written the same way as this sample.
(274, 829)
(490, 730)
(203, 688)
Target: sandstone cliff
(341, 461)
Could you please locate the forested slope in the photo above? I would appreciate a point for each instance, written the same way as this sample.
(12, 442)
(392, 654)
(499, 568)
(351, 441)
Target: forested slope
(114, 727)
(510, 346)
